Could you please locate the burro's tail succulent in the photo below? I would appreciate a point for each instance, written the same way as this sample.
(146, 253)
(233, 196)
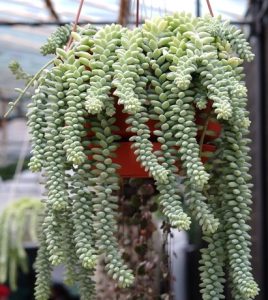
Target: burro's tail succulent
(162, 71)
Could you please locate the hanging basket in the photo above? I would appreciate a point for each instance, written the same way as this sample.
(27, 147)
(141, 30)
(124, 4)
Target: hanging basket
(127, 160)
(166, 70)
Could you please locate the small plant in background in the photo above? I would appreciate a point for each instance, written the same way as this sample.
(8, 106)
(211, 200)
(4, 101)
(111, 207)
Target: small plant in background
(19, 223)
(164, 72)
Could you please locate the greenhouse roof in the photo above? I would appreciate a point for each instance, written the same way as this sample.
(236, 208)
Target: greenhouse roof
(22, 42)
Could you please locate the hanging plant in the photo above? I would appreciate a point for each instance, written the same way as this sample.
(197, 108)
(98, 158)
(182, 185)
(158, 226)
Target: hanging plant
(163, 76)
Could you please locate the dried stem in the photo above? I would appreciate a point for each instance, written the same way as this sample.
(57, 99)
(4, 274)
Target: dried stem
(137, 13)
(204, 133)
(75, 23)
(210, 8)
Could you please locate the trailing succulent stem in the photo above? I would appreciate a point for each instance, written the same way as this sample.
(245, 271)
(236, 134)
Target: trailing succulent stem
(57, 40)
(159, 74)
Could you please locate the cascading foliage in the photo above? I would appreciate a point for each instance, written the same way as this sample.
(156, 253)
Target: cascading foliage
(162, 71)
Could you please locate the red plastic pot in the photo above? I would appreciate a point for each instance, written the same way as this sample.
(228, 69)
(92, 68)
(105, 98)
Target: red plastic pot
(213, 129)
(126, 158)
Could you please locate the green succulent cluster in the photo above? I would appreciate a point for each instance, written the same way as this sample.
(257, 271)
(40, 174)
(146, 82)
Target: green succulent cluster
(57, 40)
(161, 72)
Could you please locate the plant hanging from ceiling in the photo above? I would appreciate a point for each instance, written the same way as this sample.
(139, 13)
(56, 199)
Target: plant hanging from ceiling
(163, 72)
